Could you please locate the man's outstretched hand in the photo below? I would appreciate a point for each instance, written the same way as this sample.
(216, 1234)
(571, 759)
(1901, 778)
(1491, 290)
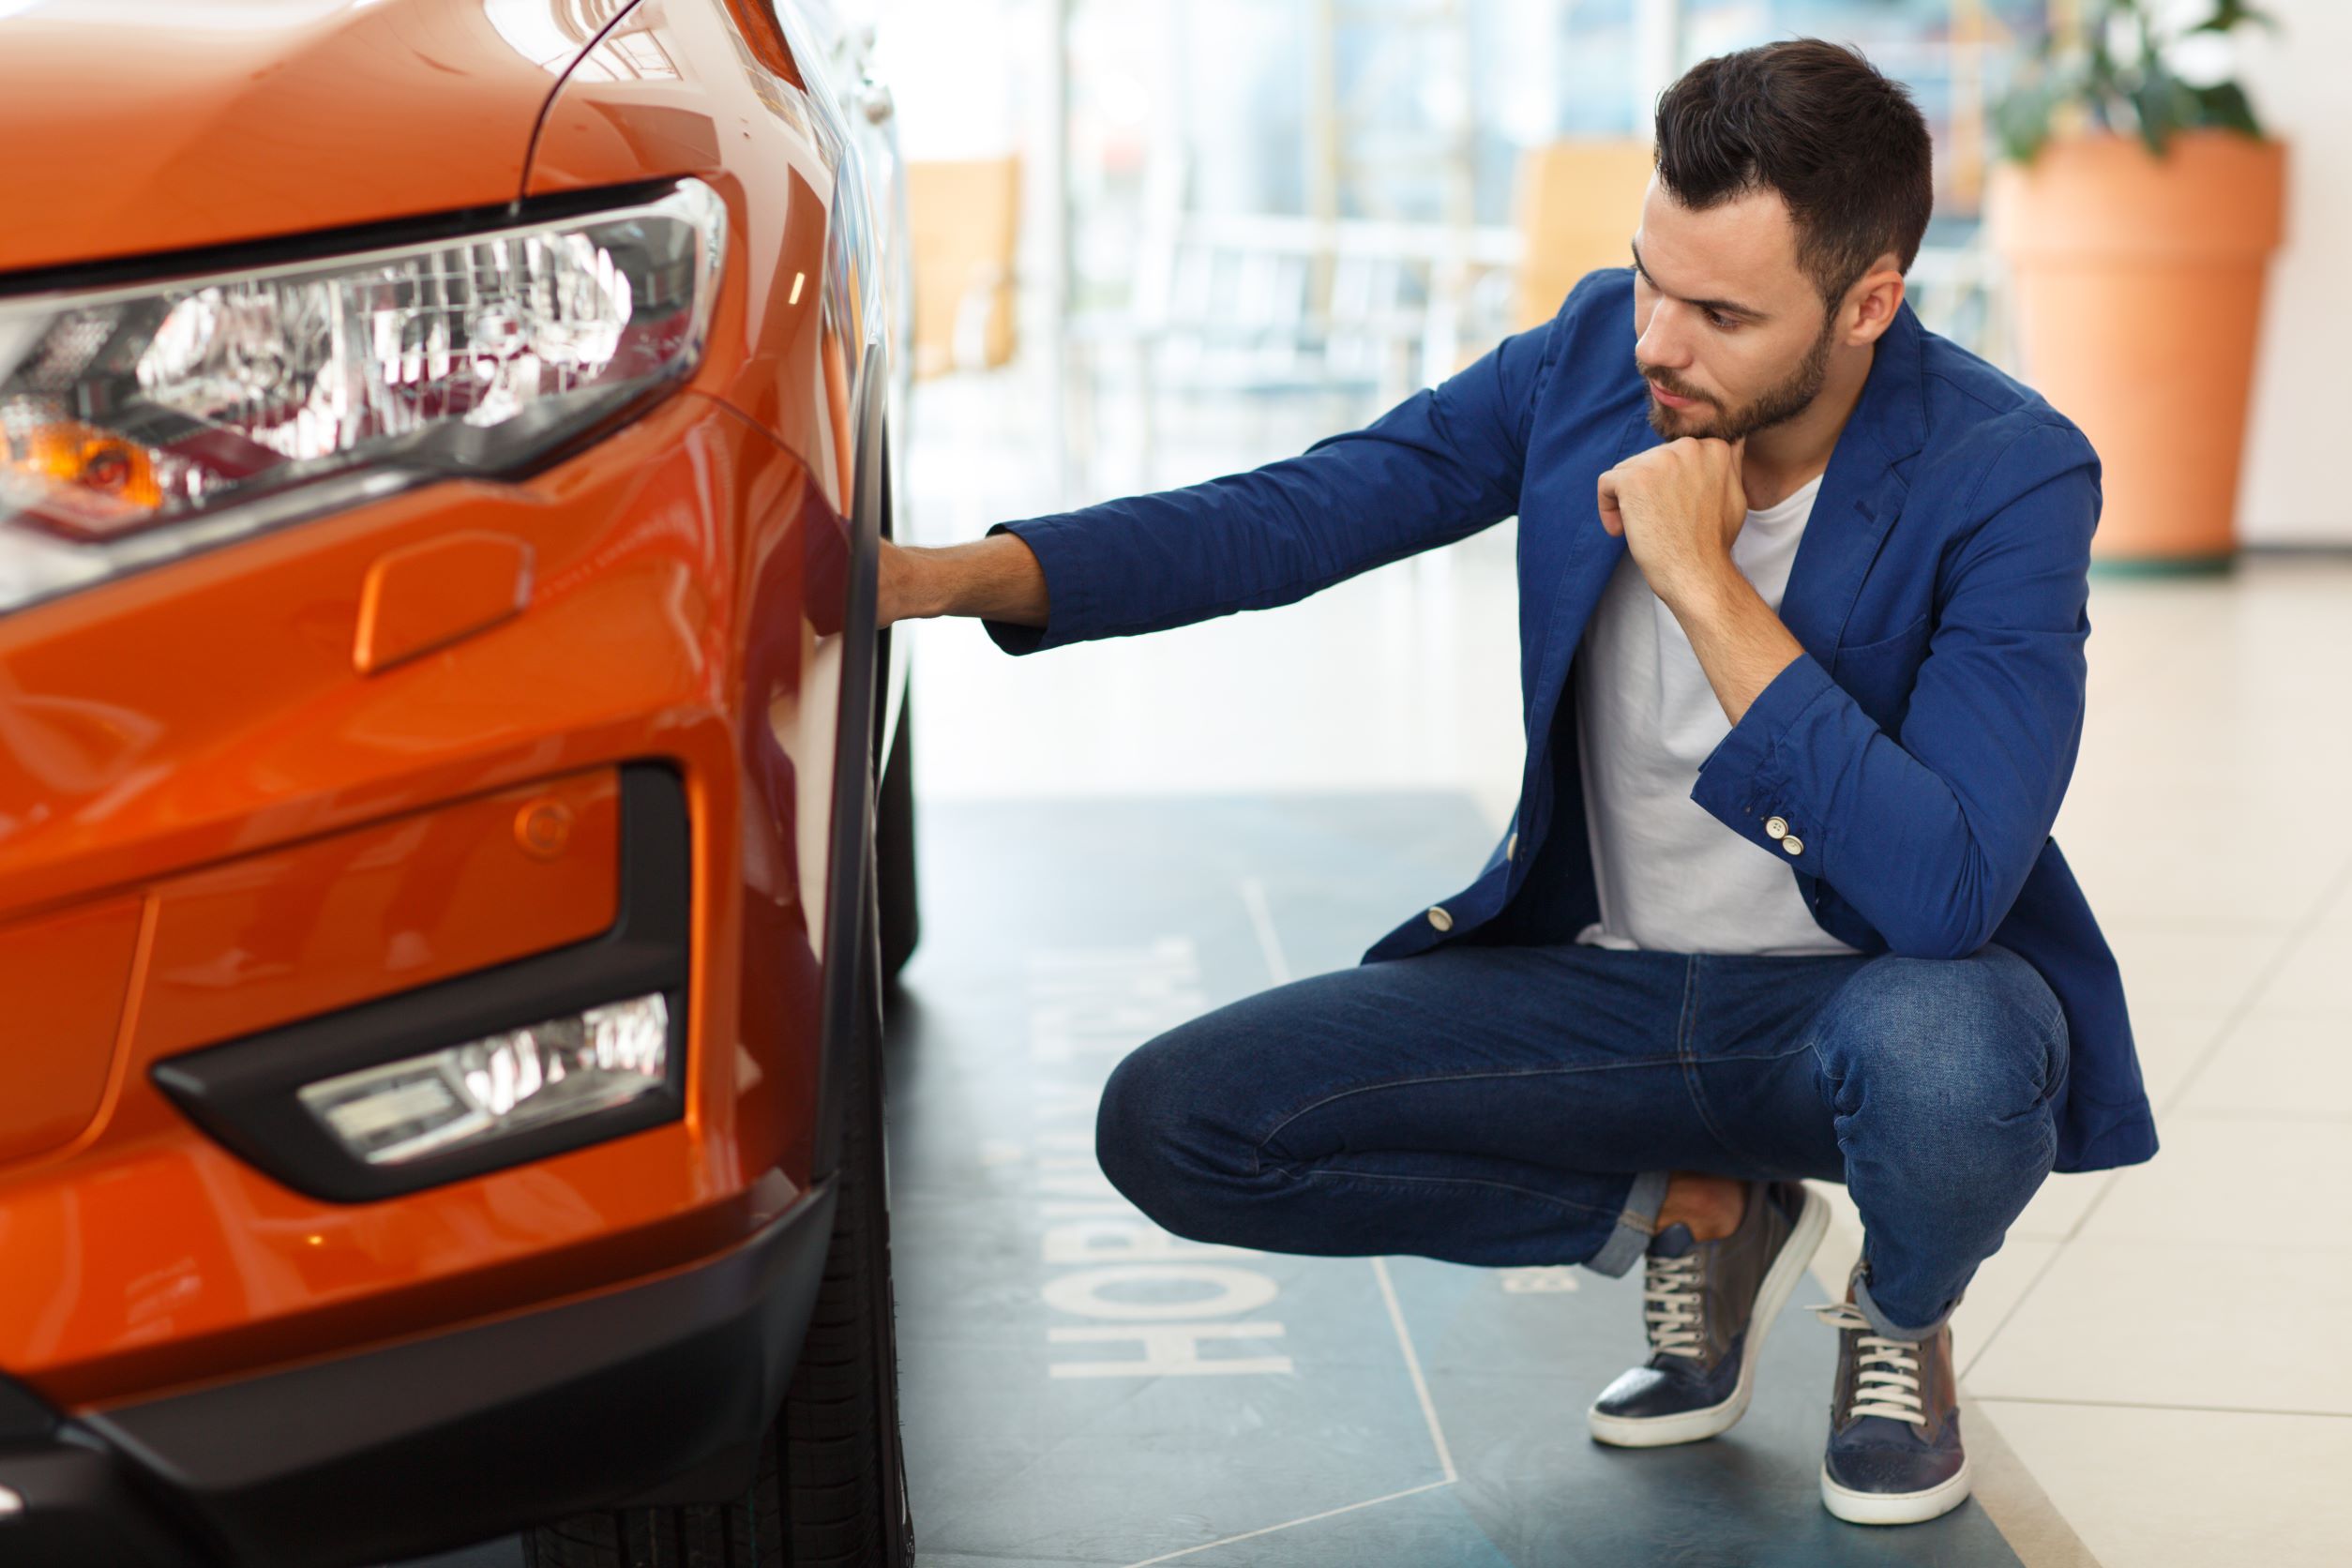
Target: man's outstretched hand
(897, 593)
(997, 576)
(1680, 507)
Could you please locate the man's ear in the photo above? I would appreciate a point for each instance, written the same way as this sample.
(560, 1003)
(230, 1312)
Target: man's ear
(1871, 304)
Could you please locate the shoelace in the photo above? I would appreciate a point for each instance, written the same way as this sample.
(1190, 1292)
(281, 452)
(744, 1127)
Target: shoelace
(1886, 1371)
(1670, 1304)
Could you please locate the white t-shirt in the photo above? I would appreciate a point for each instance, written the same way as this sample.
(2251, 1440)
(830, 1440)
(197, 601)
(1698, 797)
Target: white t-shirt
(1670, 877)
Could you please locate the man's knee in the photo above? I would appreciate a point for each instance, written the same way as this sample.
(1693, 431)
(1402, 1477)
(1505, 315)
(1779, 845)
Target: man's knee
(1159, 1133)
(1128, 1121)
(1944, 1042)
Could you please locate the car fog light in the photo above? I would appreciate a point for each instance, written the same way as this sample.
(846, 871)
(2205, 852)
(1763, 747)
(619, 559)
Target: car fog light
(498, 1085)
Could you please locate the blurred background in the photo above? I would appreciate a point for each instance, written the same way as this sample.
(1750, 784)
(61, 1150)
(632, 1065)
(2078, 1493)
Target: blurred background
(1162, 240)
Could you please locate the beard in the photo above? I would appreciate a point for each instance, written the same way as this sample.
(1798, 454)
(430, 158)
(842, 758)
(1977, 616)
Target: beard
(1775, 405)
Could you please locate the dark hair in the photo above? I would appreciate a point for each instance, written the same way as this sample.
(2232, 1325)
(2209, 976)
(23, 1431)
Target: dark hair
(1845, 148)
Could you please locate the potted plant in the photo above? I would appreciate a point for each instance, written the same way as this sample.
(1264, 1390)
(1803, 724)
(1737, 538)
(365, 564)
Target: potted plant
(2136, 209)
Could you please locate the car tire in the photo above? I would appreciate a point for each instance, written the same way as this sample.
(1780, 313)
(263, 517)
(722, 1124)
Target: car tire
(844, 1470)
(894, 845)
(830, 1490)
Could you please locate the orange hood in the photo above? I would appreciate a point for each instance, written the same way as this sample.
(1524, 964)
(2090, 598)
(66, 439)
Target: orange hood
(142, 126)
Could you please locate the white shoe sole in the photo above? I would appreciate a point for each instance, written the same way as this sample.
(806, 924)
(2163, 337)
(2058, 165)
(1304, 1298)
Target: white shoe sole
(1661, 1431)
(1897, 1508)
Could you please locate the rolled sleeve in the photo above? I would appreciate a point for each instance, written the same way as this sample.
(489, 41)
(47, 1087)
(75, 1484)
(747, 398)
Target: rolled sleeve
(1070, 591)
(1746, 781)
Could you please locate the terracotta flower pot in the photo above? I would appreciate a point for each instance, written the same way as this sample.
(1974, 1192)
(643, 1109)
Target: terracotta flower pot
(2138, 284)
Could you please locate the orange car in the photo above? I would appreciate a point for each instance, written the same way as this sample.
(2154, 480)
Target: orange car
(454, 822)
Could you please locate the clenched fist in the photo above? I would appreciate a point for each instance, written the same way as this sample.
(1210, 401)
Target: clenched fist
(1680, 507)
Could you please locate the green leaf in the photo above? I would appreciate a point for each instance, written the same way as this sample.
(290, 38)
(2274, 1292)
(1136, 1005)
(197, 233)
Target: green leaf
(2224, 104)
(2230, 13)
(2021, 121)
(2163, 105)
(2114, 70)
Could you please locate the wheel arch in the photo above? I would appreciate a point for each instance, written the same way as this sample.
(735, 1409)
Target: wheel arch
(849, 937)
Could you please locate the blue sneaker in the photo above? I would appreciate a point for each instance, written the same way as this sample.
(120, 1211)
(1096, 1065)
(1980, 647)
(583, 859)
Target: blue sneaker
(1707, 1308)
(1894, 1455)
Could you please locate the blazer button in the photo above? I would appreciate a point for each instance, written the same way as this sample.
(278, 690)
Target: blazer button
(1793, 844)
(1510, 847)
(1776, 827)
(1442, 920)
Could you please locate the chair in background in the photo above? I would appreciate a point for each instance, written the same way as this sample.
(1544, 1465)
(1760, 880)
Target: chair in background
(1576, 204)
(1258, 312)
(964, 214)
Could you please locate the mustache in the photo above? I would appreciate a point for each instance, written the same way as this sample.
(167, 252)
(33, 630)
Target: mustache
(1669, 385)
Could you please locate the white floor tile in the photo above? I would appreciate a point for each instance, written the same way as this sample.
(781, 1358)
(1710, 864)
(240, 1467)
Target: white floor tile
(2053, 1212)
(2153, 1488)
(2248, 1183)
(2336, 919)
(2315, 981)
(2271, 1065)
(2170, 1042)
(2270, 880)
(2000, 1283)
(2201, 1322)
(2201, 972)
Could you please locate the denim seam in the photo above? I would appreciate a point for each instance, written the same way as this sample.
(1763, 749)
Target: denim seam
(1762, 1056)
(1609, 1213)
(1276, 1131)
(1688, 1053)
(1837, 1085)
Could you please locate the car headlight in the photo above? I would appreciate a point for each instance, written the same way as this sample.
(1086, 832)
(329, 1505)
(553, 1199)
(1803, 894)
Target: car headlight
(140, 423)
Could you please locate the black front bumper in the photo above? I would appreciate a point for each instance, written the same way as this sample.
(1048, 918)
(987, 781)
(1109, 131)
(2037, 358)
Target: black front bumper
(655, 1392)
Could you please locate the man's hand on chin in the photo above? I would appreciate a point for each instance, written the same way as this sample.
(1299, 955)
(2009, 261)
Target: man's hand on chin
(1680, 507)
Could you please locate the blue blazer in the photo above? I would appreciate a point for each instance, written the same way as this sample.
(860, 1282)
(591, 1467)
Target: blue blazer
(1918, 749)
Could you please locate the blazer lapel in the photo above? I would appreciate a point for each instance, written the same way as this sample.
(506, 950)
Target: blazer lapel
(1861, 492)
(1593, 554)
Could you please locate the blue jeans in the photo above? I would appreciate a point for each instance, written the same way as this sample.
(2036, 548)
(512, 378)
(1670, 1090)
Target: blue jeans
(1523, 1105)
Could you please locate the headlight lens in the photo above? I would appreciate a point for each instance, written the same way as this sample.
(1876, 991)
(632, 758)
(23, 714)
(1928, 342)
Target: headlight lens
(504, 1083)
(140, 424)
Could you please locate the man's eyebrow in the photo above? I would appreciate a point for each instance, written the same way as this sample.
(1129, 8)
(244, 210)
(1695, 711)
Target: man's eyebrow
(1720, 306)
